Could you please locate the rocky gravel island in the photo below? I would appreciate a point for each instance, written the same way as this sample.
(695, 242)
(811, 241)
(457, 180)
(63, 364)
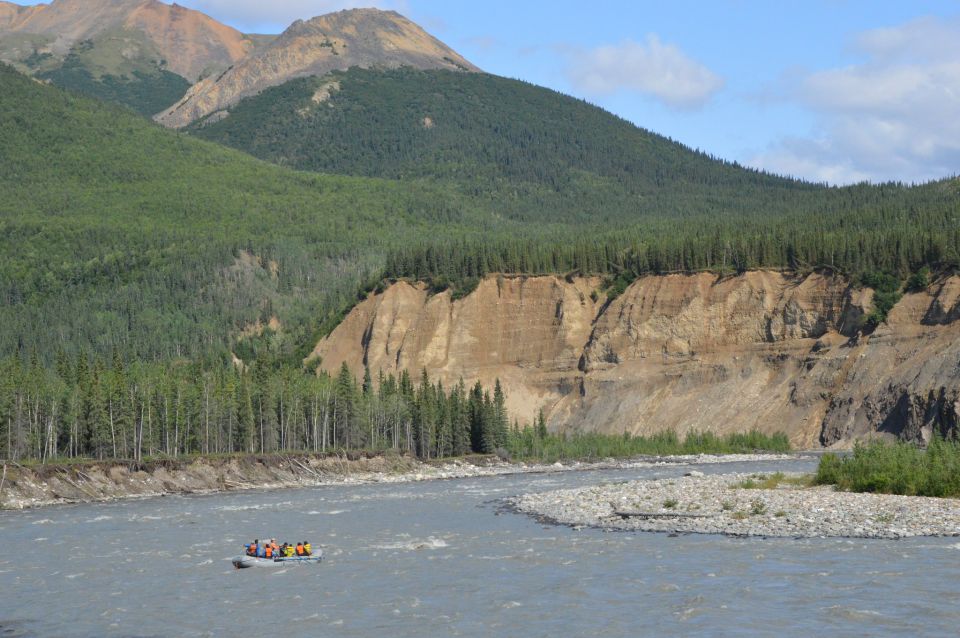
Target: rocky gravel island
(782, 505)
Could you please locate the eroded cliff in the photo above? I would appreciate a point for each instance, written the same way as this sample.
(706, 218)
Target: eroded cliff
(763, 350)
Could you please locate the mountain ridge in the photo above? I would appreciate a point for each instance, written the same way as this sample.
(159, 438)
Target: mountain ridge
(189, 41)
(143, 54)
(335, 41)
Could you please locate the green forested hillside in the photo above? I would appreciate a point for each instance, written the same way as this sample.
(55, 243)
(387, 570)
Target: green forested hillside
(650, 204)
(146, 92)
(119, 234)
(533, 153)
(118, 66)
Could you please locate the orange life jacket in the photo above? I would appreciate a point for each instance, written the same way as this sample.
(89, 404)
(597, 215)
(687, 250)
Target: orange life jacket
(269, 551)
(299, 550)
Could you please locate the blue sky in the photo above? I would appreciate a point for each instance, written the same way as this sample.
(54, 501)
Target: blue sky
(828, 90)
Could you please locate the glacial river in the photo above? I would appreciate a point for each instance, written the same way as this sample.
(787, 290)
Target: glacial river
(440, 559)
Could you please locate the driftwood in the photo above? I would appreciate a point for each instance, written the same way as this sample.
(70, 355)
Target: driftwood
(80, 488)
(3, 480)
(307, 469)
(632, 514)
(236, 484)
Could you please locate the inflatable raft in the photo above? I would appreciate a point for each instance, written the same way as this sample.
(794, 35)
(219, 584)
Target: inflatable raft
(242, 562)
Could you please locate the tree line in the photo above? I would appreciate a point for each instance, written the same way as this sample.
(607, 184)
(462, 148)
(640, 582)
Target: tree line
(864, 249)
(86, 407)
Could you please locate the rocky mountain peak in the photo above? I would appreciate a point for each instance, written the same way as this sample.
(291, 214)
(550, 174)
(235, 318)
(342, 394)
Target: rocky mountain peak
(189, 42)
(368, 38)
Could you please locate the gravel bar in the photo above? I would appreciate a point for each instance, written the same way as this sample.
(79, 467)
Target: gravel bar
(718, 504)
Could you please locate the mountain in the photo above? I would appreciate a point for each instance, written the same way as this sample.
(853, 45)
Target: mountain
(367, 38)
(535, 154)
(143, 53)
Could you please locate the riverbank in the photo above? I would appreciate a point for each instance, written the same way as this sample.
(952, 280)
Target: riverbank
(58, 484)
(738, 505)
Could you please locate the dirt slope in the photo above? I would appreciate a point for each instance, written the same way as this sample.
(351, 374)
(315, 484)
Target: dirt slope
(690, 352)
(358, 37)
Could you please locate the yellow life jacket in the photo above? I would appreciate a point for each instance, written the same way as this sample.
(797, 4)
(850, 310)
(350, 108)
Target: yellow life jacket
(289, 551)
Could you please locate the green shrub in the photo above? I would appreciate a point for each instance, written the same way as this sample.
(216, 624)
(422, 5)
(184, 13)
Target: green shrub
(895, 468)
(919, 280)
(886, 294)
(526, 444)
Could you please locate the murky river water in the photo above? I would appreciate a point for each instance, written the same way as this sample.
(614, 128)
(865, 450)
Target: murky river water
(436, 559)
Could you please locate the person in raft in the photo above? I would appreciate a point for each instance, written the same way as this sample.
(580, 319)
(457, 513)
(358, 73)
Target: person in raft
(271, 549)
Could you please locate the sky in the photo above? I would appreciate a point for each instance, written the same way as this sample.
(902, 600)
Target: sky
(836, 91)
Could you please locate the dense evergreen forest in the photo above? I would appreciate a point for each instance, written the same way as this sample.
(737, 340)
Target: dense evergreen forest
(649, 205)
(99, 409)
(534, 154)
(131, 247)
(120, 67)
(144, 92)
(117, 234)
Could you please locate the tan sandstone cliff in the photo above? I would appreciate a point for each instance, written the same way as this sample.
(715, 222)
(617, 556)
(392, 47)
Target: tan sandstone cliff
(689, 352)
(337, 41)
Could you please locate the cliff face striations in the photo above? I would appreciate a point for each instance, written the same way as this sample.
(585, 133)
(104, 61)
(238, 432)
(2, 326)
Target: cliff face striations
(688, 352)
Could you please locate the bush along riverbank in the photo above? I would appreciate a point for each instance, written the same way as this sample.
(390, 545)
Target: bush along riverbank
(535, 444)
(896, 468)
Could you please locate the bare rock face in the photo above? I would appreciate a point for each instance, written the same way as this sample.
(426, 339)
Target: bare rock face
(528, 332)
(189, 41)
(906, 379)
(761, 350)
(337, 41)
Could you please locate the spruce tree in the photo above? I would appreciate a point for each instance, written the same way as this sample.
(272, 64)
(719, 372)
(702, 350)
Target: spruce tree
(541, 427)
(501, 423)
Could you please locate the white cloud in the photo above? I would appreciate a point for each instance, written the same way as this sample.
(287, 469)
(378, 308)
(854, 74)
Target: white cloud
(247, 14)
(656, 69)
(895, 116)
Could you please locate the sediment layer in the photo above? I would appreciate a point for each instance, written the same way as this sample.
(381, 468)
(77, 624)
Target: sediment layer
(764, 350)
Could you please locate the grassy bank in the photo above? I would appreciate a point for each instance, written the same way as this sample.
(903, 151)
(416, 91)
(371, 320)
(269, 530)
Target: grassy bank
(528, 446)
(896, 468)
